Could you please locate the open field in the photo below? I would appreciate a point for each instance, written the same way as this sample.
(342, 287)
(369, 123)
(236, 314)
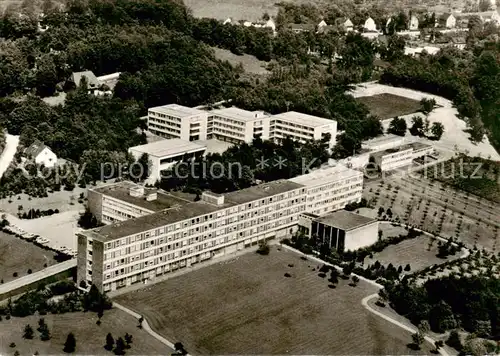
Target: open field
(90, 338)
(250, 63)
(248, 306)
(439, 209)
(419, 253)
(387, 106)
(17, 255)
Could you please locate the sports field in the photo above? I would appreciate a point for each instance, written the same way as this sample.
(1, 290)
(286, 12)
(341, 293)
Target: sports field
(248, 306)
(387, 106)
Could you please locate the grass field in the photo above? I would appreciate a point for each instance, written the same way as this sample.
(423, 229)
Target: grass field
(90, 338)
(250, 63)
(248, 306)
(17, 255)
(387, 106)
(418, 253)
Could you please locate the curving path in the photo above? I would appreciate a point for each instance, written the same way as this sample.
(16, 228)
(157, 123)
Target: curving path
(146, 327)
(11, 143)
(364, 302)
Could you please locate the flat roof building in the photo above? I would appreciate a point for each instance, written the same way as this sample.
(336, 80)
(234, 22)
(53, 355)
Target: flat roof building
(177, 121)
(331, 187)
(146, 238)
(164, 154)
(302, 127)
(342, 230)
(237, 125)
(383, 142)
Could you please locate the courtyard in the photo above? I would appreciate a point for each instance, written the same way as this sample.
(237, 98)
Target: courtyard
(248, 306)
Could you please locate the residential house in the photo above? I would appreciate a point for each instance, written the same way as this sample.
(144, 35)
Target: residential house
(485, 17)
(459, 42)
(41, 154)
(344, 23)
(413, 23)
(447, 20)
(92, 81)
(370, 25)
(301, 27)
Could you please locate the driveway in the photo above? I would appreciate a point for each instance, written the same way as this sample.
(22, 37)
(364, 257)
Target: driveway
(8, 153)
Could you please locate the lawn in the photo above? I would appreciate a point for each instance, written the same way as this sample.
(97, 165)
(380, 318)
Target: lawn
(387, 106)
(419, 253)
(250, 63)
(248, 306)
(17, 255)
(90, 338)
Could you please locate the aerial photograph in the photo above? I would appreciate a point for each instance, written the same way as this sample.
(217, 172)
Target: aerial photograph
(259, 177)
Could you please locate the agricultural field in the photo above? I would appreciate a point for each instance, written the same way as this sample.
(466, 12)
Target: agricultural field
(248, 306)
(18, 256)
(419, 253)
(387, 106)
(438, 209)
(90, 337)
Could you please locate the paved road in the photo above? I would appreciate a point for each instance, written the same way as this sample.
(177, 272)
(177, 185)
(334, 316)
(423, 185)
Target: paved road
(8, 153)
(365, 301)
(36, 276)
(146, 327)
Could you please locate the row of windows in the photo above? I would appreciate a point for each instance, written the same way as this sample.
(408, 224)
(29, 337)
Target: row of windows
(302, 127)
(331, 186)
(155, 256)
(163, 128)
(219, 214)
(170, 118)
(225, 119)
(163, 122)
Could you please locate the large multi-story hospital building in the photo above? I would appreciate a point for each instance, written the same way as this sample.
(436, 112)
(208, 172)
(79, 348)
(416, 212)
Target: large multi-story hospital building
(237, 125)
(149, 233)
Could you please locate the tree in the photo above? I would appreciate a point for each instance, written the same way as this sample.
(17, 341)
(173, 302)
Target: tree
(128, 339)
(28, 332)
(437, 130)
(407, 268)
(179, 347)
(427, 105)
(454, 340)
(70, 344)
(355, 280)
(44, 332)
(417, 128)
(110, 342)
(418, 339)
(438, 344)
(397, 126)
(484, 5)
(120, 347)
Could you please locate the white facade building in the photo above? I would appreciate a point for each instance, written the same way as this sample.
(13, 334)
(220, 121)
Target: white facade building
(342, 230)
(41, 154)
(331, 188)
(393, 158)
(177, 121)
(302, 127)
(166, 153)
(154, 234)
(383, 143)
(370, 25)
(237, 125)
